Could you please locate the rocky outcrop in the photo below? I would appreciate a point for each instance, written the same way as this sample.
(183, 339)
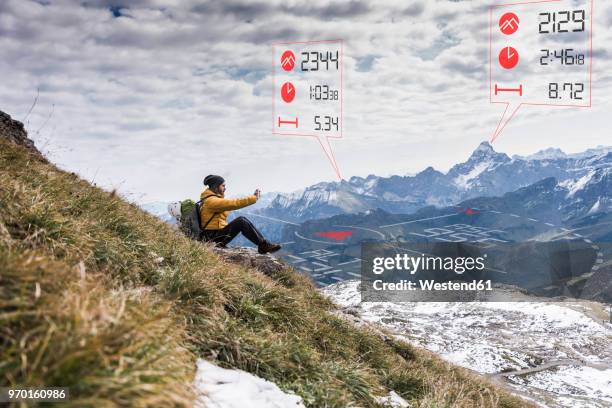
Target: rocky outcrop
(13, 131)
(249, 257)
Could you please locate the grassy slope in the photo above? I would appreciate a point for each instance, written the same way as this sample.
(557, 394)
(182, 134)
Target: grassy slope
(103, 298)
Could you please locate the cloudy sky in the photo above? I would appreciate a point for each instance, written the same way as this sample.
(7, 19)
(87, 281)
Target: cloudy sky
(149, 96)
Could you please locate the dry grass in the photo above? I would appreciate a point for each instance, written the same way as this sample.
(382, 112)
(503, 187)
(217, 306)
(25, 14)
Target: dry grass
(103, 298)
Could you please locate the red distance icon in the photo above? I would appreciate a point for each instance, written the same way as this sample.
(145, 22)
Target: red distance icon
(509, 23)
(508, 57)
(288, 92)
(287, 60)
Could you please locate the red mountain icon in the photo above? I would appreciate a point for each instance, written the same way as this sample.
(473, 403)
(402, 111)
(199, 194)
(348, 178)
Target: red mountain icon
(337, 235)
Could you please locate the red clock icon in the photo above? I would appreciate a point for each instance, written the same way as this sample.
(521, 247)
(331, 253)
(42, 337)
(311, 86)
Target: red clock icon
(508, 57)
(288, 92)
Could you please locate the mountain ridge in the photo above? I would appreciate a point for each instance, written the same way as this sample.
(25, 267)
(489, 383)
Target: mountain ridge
(485, 173)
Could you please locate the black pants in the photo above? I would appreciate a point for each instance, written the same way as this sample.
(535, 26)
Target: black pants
(240, 224)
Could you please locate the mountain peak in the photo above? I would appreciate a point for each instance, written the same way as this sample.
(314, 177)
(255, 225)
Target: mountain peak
(550, 153)
(428, 172)
(486, 151)
(485, 147)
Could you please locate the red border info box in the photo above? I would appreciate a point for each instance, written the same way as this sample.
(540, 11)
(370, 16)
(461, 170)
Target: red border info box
(554, 43)
(313, 71)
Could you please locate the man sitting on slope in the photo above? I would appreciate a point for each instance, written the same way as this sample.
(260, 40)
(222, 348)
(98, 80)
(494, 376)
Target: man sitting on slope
(214, 212)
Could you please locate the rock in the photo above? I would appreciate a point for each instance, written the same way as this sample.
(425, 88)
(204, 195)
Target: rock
(251, 258)
(13, 131)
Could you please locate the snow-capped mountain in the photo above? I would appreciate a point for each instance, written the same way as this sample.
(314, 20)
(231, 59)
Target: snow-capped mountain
(485, 173)
(555, 201)
(556, 153)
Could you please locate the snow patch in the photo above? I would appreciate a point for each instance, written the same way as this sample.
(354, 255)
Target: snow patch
(595, 207)
(223, 388)
(594, 384)
(462, 181)
(371, 183)
(393, 400)
(575, 186)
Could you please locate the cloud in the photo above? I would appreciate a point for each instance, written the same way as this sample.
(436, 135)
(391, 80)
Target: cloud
(153, 94)
(415, 9)
(237, 9)
(252, 11)
(331, 10)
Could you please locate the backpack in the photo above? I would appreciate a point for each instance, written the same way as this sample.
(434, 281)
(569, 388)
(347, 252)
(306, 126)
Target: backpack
(191, 223)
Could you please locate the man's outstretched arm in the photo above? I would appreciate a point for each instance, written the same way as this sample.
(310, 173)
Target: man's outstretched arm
(228, 204)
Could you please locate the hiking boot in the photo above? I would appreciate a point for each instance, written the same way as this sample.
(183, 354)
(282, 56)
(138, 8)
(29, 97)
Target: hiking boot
(267, 247)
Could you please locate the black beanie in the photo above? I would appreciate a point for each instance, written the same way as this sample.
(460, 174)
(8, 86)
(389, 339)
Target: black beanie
(213, 180)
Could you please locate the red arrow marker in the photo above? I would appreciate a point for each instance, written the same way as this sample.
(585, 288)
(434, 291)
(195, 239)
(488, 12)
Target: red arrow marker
(470, 211)
(337, 235)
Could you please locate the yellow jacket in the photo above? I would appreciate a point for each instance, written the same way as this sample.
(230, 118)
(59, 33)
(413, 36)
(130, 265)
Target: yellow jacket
(216, 208)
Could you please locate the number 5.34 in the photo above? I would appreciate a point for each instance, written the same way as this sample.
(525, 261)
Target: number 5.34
(326, 123)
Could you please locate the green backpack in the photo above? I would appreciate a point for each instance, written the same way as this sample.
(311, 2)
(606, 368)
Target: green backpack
(191, 225)
(190, 218)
